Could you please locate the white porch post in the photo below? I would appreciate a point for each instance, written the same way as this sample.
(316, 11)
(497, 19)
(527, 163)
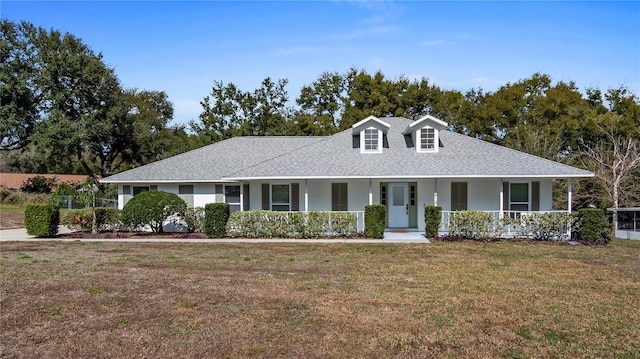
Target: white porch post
(306, 196)
(241, 197)
(501, 199)
(569, 196)
(435, 192)
(569, 205)
(370, 192)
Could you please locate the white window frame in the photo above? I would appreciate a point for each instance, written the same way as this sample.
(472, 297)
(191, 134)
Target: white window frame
(363, 148)
(271, 203)
(419, 139)
(224, 196)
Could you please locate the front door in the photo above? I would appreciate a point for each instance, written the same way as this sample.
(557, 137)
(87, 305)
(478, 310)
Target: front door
(398, 205)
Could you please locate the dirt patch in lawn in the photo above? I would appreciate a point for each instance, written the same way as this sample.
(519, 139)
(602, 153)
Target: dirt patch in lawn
(196, 300)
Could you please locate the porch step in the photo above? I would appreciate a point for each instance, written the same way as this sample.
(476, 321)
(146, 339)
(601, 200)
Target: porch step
(403, 235)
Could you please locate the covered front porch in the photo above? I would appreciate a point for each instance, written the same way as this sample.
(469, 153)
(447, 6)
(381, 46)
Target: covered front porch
(404, 198)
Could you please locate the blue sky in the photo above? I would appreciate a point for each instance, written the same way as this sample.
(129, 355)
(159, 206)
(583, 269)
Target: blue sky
(183, 47)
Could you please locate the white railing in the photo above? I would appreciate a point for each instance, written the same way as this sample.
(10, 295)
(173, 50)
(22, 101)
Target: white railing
(506, 230)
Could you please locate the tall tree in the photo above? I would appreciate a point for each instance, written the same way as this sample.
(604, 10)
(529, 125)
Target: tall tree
(229, 111)
(321, 105)
(19, 95)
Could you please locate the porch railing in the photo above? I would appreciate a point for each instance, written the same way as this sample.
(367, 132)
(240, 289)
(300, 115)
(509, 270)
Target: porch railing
(506, 230)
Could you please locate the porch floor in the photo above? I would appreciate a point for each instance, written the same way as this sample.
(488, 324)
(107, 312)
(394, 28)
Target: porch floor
(404, 234)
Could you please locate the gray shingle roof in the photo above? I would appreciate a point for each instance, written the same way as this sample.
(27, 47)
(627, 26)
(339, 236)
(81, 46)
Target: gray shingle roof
(334, 157)
(211, 163)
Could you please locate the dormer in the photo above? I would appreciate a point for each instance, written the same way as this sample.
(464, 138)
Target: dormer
(369, 134)
(425, 133)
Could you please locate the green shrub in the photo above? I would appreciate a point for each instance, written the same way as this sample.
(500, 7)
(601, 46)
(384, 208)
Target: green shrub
(343, 223)
(593, 226)
(4, 193)
(473, 224)
(39, 184)
(432, 218)
(193, 218)
(543, 226)
(80, 219)
(375, 220)
(41, 220)
(216, 216)
(152, 208)
(270, 224)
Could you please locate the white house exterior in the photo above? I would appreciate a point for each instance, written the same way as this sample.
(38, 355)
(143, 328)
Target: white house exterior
(394, 161)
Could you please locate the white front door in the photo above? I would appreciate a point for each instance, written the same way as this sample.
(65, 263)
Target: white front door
(398, 205)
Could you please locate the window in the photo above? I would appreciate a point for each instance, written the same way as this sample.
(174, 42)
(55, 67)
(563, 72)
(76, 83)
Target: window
(339, 196)
(458, 196)
(372, 140)
(232, 197)
(280, 197)
(186, 193)
(428, 140)
(519, 197)
(140, 189)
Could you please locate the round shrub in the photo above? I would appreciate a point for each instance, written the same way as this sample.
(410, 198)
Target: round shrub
(152, 208)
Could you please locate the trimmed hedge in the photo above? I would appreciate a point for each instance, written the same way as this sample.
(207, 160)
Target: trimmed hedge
(375, 220)
(41, 220)
(216, 216)
(270, 224)
(473, 224)
(545, 226)
(432, 218)
(107, 219)
(593, 226)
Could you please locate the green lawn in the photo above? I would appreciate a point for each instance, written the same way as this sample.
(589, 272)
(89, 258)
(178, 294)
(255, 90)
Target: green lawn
(504, 300)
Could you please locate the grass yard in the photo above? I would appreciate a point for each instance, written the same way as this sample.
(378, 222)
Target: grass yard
(11, 216)
(467, 300)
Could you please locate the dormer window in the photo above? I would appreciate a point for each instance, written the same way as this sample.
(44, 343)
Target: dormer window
(424, 133)
(369, 135)
(428, 139)
(372, 140)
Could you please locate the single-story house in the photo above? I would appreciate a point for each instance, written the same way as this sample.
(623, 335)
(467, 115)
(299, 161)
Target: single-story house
(397, 162)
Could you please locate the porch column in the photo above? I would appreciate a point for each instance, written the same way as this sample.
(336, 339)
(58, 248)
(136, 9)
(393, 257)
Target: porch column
(501, 199)
(435, 192)
(241, 197)
(370, 192)
(306, 196)
(569, 195)
(569, 205)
